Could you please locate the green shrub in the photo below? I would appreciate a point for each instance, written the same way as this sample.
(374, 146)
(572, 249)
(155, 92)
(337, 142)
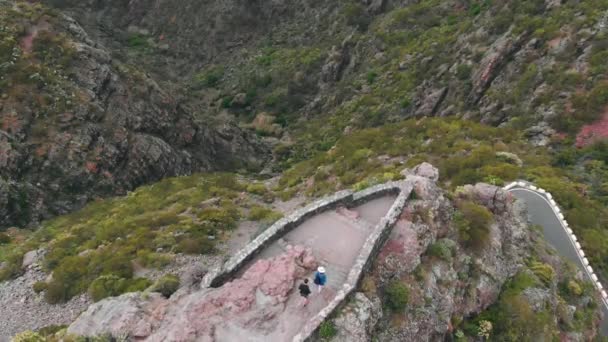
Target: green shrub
(356, 16)
(155, 260)
(544, 272)
(57, 292)
(11, 269)
(166, 285)
(441, 249)
(106, 286)
(257, 188)
(371, 77)
(574, 288)
(39, 286)
(4, 238)
(195, 245)
(258, 213)
(463, 71)
(211, 77)
(137, 41)
(397, 295)
(327, 330)
(473, 223)
(50, 330)
(28, 336)
(112, 285)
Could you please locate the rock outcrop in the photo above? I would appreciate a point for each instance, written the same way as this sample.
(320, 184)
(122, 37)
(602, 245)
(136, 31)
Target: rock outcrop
(439, 288)
(357, 319)
(248, 305)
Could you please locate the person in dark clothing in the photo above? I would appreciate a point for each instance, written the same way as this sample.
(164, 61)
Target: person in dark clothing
(304, 292)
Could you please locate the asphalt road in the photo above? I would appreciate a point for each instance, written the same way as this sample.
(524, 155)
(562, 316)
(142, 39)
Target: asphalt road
(540, 213)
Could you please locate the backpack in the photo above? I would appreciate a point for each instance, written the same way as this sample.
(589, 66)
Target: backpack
(320, 279)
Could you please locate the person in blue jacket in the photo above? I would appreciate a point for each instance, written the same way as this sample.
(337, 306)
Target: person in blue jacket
(320, 278)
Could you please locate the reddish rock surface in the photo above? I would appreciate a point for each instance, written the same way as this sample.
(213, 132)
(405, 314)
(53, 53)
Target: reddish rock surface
(252, 307)
(593, 132)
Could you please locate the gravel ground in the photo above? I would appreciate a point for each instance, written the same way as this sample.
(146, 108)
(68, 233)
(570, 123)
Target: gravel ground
(22, 309)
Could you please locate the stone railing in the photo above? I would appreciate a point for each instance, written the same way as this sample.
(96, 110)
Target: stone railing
(368, 252)
(278, 229)
(564, 224)
(346, 198)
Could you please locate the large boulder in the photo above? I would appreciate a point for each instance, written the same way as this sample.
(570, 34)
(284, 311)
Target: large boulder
(493, 197)
(32, 257)
(426, 170)
(131, 312)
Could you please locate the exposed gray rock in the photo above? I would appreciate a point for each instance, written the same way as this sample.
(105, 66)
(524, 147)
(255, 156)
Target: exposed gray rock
(491, 196)
(32, 257)
(337, 60)
(356, 321)
(239, 100)
(131, 312)
(426, 170)
(540, 135)
(429, 101)
(491, 64)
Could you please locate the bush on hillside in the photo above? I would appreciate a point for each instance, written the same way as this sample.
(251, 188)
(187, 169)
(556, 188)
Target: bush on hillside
(111, 285)
(258, 213)
(397, 295)
(327, 330)
(28, 336)
(195, 245)
(39, 286)
(166, 285)
(473, 223)
(56, 292)
(441, 249)
(4, 238)
(543, 271)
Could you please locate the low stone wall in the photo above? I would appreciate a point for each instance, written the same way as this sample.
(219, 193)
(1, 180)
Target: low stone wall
(217, 278)
(368, 252)
(573, 239)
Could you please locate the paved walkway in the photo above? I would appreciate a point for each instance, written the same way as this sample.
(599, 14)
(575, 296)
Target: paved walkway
(336, 238)
(542, 213)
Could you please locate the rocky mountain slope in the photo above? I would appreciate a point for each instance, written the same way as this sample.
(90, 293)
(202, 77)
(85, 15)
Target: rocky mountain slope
(98, 98)
(76, 124)
(300, 73)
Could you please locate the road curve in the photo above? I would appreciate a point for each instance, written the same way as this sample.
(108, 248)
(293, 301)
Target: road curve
(543, 211)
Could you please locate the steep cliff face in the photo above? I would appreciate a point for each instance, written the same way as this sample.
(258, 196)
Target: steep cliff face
(76, 124)
(520, 64)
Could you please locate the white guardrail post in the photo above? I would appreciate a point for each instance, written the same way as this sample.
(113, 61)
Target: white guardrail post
(579, 250)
